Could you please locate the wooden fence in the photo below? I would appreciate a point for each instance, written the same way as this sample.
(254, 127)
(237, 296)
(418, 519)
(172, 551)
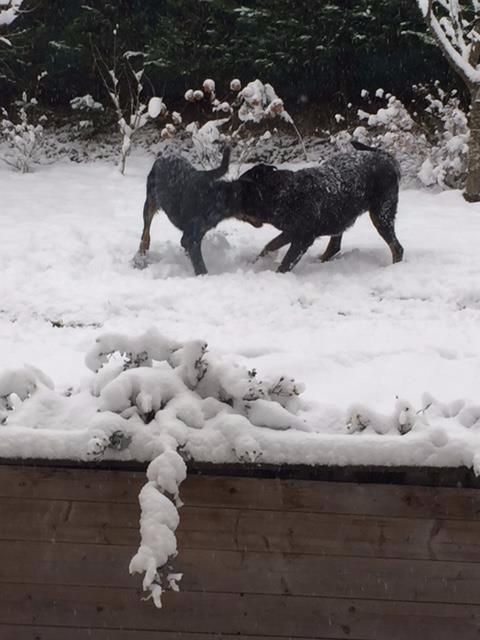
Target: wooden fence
(263, 558)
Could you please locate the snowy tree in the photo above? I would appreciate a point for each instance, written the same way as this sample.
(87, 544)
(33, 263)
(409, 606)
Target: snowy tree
(455, 25)
(9, 10)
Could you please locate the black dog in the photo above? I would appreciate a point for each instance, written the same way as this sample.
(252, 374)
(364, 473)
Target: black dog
(324, 201)
(194, 201)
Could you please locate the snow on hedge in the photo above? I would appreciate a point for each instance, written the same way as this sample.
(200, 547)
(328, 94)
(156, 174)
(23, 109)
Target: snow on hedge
(154, 399)
(145, 389)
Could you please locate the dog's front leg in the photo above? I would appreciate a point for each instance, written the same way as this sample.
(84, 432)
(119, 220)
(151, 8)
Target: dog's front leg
(149, 210)
(333, 248)
(294, 253)
(193, 246)
(275, 244)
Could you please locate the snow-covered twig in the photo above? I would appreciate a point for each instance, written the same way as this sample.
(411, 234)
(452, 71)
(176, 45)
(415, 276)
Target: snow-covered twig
(158, 521)
(132, 112)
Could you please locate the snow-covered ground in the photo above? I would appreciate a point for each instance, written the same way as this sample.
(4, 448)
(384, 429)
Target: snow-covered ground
(356, 330)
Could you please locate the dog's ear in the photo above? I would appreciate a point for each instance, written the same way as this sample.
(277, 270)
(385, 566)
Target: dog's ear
(258, 172)
(245, 178)
(249, 188)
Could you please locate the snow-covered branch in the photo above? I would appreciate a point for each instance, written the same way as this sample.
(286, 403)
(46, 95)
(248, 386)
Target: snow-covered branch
(131, 109)
(158, 521)
(455, 26)
(9, 10)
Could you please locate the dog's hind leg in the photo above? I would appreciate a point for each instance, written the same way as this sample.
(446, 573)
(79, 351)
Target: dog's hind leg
(383, 218)
(279, 241)
(193, 246)
(333, 248)
(296, 250)
(149, 210)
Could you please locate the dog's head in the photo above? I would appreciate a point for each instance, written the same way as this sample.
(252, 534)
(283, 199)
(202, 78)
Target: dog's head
(253, 193)
(259, 173)
(254, 182)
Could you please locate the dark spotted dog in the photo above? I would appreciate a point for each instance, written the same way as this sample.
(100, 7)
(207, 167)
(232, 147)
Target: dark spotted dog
(324, 201)
(194, 201)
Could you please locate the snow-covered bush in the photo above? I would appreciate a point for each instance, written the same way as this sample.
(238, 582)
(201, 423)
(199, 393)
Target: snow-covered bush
(388, 125)
(16, 385)
(23, 134)
(239, 118)
(429, 139)
(87, 110)
(446, 164)
(402, 420)
(455, 29)
(136, 385)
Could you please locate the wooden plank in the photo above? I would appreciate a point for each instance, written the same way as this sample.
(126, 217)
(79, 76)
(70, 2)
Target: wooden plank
(35, 632)
(425, 476)
(53, 483)
(246, 493)
(230, 614)
(248, 530)
(57, 520)
(236, 572)
(325, 534)
(332, 497)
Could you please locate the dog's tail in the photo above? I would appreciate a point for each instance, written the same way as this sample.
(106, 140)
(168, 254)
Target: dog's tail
(218, 172)
(363, 147)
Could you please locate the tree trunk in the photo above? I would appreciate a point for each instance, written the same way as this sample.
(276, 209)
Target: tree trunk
(472, 187)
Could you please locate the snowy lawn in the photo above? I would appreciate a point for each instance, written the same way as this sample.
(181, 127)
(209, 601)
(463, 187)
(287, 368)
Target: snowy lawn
(356, 330)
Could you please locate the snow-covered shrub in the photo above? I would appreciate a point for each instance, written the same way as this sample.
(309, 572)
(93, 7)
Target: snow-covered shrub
(87, 110)
(236, 118)
(430, 139)
(16, 385)
(446, 164)
(402, 420)
(390, 126)
(205, 140)
(23, 134)
(148, 374)
(136, 351)
(147, 389)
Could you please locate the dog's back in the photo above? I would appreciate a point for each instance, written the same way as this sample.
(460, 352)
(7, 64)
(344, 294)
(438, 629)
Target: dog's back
(346, 185)
(325, 200)
(195, 201)
(174, 185)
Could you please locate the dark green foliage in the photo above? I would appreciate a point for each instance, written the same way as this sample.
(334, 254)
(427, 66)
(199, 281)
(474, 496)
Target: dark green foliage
(315, 51)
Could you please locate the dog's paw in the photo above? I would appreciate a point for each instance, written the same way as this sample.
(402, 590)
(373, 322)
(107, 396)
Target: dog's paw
(140, 261)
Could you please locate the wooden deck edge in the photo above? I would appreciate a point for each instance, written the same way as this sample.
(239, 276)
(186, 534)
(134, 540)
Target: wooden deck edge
(458, 477)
